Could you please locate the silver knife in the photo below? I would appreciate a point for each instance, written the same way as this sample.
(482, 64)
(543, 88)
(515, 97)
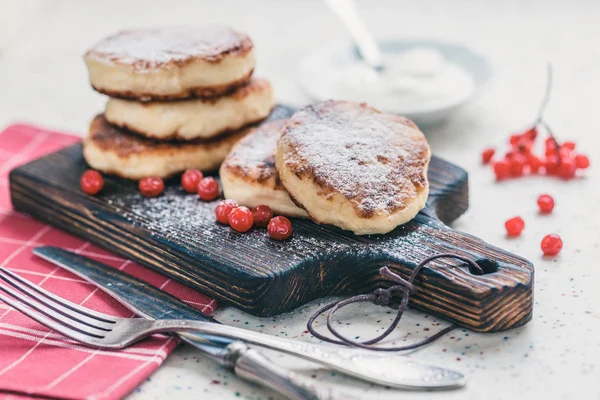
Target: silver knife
(152, 303)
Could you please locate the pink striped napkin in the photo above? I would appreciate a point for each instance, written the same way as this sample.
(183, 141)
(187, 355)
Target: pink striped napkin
(35, 361)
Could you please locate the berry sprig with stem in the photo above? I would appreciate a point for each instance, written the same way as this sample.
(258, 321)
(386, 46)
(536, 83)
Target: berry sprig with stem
(558, 160)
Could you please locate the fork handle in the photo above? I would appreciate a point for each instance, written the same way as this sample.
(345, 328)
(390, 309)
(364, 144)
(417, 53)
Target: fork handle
(251, 365)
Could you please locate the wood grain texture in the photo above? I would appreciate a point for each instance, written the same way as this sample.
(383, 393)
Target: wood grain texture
(176, 234)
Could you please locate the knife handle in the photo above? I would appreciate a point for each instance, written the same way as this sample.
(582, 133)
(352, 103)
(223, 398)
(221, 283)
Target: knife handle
(251, 365)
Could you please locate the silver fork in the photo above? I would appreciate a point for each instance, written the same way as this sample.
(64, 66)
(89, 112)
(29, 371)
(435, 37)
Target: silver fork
(108, 332)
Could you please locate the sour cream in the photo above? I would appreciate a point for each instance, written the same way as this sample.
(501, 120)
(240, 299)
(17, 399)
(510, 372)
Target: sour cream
(417, 80)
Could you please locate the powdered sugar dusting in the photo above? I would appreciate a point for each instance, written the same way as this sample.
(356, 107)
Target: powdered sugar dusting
(148, 48)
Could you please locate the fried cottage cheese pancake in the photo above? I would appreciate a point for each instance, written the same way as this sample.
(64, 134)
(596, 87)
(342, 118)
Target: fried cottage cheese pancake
(115, 151)
(354, 167)
(248, 174)
(171, 63)
(194, 118)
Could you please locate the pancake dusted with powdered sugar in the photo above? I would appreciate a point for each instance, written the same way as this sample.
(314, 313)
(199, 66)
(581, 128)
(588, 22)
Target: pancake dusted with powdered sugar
(352, 166)
(171, 63)
(248, 174)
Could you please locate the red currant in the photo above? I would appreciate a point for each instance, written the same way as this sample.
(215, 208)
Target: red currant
(517, 165)
(91, 182)
(531, 134)
(223, 209)
(582, 161)
(514, 139)
(241, 219)
(151, 186)
(502, 169)
(190, 180)
(280, 228)
(551, 164)
(262, 215)
(208, 189)
(534, 163)
(551, 245)
(546, 203)
(514, 226)
(566, 168)
(487, 155)
(569, 145)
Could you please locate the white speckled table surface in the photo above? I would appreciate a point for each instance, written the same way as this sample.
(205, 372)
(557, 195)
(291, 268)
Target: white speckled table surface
(43, 80)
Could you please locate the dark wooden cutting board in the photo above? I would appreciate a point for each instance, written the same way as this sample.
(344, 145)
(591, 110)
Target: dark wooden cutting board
(176, 234)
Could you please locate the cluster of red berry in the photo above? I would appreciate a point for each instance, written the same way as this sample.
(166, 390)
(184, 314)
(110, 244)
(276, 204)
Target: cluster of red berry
(241, 219)
(551, 244)
(559, 159)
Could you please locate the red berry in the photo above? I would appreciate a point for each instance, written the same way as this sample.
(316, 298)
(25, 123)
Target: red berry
(566, 168)
(514, 139)
(551, 164)
(514, 226)
(582, 161)
(534, 163)
(208, 189)
(262, 215)
(190, 180)
(223, 209)
(241, 219)
(551, 245)
(531, 134)
(569, 145)
(487, 155)
(517, 165)
(91, 182)
(151, 186)
(502, 169)
(280, 228)
(546, 203)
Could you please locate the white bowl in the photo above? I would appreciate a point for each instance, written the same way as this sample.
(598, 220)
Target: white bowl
(329, 58)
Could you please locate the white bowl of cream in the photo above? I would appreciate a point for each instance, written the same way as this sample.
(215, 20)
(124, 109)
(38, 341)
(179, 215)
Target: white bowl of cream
(424, 80)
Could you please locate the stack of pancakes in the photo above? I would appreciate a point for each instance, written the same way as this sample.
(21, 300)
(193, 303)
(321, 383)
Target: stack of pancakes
(179, 98)
(337, 162)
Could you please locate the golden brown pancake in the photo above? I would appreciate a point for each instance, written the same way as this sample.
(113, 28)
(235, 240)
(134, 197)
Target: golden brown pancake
(194, 118)
(119, 152)
(248, 174)
(352, 166)
(171, 63)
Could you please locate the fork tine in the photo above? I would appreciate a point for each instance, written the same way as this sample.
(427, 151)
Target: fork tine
(75, 307)
(58, 304)
(48, 317)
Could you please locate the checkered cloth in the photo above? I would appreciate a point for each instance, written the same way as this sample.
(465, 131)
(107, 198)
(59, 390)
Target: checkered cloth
(34, 360)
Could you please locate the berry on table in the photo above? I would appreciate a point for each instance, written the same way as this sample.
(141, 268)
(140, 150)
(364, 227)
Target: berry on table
(487, 154)
(262, 215)
(190, 180)
(208, 189)
(546, 203)
(514, 226)
(151, 186)
(223, 209)
(280, 228)
(91, 182)
(582, 161)
(502, 169)
(241, 219)
(551, 245)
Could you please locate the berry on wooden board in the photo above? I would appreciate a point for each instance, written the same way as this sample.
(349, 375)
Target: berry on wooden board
(551, 245)
(151, 186)
(280, 228)
(223, 209)
(241, 219)
(262, 215)
(91, 182)
(190, 180)
(208, 189)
